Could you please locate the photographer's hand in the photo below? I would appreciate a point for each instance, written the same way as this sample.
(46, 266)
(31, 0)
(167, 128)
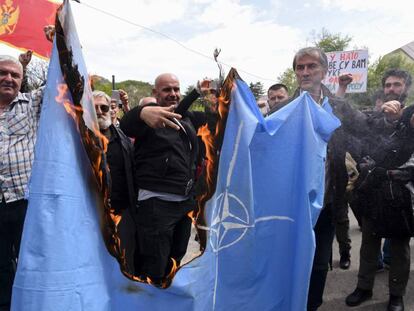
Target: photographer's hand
(124, 99)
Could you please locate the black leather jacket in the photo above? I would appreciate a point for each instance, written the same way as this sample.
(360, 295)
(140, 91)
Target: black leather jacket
(121, 164)
(165, 159)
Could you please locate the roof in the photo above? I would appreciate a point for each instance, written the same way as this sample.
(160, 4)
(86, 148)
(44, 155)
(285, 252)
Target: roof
(409, 49)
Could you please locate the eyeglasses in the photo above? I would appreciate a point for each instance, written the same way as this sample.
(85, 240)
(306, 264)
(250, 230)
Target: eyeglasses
(103, 108)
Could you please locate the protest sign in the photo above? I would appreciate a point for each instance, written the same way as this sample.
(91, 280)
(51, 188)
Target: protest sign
(354, 62)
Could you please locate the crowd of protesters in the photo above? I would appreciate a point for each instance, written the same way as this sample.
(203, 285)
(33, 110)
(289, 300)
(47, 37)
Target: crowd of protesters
(153, 154)
(381, 146)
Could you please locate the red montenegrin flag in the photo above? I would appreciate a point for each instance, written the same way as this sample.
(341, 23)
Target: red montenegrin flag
(22, 22)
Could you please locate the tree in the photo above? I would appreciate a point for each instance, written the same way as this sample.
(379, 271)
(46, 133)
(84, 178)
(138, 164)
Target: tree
(135, 89)
(324, 40)
(378, 68)
(257, 89)
(376, 71)
(329, 42)
(338, 42)
(288, 78)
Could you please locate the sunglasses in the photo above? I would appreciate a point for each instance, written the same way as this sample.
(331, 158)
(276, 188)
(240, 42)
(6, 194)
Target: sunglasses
(104, 108)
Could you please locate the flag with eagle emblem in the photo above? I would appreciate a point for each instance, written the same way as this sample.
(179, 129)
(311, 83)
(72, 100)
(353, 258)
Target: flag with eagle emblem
(22, 23)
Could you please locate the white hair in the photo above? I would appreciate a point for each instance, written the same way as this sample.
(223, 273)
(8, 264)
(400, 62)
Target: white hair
(100, 94)
(11, 59)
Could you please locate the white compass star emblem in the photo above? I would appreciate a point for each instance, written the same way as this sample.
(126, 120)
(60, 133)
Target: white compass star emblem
(230, 219)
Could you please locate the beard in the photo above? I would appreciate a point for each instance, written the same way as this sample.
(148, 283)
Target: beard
(104, 123)
(392, 96)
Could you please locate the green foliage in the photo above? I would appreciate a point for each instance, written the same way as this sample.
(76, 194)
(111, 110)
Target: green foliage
(257, 89)
(330, 42)
(376, 71)
(379, 67)
(288, 78)
(198, 104)
(324, 40)
(135, 89)
(338, 42)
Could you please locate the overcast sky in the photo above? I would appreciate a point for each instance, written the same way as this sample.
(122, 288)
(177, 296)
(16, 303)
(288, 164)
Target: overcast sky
(259, 38)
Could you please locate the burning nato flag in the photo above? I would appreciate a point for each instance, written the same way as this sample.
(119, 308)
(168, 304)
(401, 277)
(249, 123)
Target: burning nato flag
(264, 189)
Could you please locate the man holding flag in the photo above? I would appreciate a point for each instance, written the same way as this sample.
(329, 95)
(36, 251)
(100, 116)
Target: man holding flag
(19, 116)
(64, 263)
(310, 65)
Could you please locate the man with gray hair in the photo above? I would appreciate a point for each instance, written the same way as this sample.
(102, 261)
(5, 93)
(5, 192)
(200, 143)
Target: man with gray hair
(120, 161)
(310, 65)
(119, 155)
(19, 117)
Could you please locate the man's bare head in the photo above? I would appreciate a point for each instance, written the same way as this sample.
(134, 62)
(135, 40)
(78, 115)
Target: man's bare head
(167, 90)
(147, 100)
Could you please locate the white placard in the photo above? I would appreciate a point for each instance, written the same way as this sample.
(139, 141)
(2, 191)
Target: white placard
(354, 62)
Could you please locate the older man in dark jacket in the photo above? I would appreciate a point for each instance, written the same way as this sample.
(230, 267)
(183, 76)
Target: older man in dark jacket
(310, 66)
(120, 161)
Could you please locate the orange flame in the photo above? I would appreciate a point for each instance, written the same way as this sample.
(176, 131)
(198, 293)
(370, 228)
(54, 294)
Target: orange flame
(94, 142)
(110, 220)
(62, 98)
(213, 142)
(211, 156)
(170, 276)
(77, 112)
(62, 92)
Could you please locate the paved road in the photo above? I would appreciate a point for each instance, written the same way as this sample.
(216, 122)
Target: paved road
(340, 282)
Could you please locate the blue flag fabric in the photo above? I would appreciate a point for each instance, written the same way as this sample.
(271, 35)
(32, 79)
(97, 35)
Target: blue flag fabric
(259, 221)
(268, 197)
(63, 258)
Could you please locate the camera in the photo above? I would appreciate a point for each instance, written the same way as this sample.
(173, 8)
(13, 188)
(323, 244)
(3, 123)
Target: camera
(116, 97)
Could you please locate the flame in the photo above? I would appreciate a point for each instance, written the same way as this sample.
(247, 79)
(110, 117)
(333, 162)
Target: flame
(116, 219)
(90, 136)
(213, 142)
(212, 139)
(174, 269)
(62, 92)
(62, 98)
(96, 145)
(211, 156)
(71, 94)
(76, 111)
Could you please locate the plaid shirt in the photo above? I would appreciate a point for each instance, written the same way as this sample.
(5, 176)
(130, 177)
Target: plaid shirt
(18, 125)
